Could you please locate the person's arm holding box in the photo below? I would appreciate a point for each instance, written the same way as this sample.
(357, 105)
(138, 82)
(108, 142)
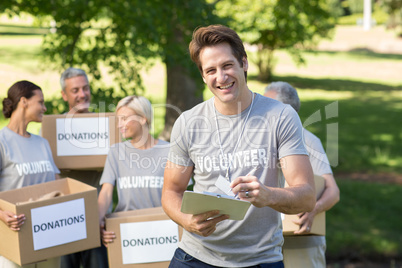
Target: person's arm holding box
(14, 222)
(328, 199)
(104, 200)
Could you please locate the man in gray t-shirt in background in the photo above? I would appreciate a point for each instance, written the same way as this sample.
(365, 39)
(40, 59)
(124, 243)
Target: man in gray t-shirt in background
(307, 251)
(76, 91)
(225, 138)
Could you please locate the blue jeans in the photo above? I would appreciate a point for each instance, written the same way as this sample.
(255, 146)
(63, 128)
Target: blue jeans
(183, 260)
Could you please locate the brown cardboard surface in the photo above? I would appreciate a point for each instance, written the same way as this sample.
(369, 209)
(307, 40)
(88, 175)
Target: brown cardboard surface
(113, 222)
(18, 246)
(78, 161)
(318, 226)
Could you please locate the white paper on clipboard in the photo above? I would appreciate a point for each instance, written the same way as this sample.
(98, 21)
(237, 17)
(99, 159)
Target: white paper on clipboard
(196, 203)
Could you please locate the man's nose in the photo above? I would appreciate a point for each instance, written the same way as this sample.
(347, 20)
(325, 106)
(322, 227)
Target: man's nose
(81, 93)
(221, 76)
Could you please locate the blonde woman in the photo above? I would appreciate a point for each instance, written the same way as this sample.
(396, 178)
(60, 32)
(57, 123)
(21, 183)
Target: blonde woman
(136, 166)
(24, 104)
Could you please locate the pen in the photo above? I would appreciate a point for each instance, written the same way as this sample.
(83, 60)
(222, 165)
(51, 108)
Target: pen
(251, 173)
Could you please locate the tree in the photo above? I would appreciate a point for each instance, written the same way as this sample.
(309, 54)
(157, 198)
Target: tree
(394, 9)
(277, 24)
(126, 36)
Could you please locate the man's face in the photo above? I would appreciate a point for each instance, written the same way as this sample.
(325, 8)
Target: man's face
(77, 94)
(223, 74)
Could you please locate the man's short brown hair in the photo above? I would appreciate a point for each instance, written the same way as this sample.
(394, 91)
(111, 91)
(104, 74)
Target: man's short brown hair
(214, 35)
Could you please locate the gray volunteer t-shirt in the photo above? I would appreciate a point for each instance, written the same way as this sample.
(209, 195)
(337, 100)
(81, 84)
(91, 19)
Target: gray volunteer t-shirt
(137, 174)
(24, 161)
(273, 131)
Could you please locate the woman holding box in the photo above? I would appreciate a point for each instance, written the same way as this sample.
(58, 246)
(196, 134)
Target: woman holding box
(135, 166)
(20, 150)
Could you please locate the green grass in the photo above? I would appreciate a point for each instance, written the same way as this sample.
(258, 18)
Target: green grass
(379, 16)
(369, 121)
(366, 223)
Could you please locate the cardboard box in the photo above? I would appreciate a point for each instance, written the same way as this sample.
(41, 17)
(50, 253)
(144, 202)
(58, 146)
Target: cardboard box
(318, 226)
(53, 227)
(144, 238)
(80, 141)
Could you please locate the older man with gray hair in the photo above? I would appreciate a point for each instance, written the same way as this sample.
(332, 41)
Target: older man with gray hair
(76, 91)
(307, 251)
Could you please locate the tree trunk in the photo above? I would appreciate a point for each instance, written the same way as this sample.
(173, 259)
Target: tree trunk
(183, 90)
(181, 95)
(265, 63)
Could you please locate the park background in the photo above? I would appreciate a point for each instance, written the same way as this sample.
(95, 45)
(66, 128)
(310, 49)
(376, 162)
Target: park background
(355, 71)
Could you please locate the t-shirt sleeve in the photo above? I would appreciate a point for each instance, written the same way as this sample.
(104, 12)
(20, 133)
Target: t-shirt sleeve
(178, 153)
(290, 135)
(109, 174)
(318, 158)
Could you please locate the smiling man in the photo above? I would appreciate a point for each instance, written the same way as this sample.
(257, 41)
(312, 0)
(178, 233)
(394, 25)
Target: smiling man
(224, 138)
(76, 92)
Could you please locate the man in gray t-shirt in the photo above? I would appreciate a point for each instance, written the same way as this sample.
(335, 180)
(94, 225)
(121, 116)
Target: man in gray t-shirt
(307, 251)
(77, 93)
(225, 138)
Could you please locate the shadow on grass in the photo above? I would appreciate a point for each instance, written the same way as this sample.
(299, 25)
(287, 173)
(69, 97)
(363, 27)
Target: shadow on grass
(365, 224)
(360, 52)
(22, 30)
(331, 84)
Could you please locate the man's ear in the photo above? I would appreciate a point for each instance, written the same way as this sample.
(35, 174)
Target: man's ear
(245, 64)
(64, 95)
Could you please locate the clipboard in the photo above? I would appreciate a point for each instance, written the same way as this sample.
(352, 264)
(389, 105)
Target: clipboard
(196, 203)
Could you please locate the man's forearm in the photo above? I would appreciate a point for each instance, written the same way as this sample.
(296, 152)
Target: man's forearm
(292, 200)
(171, 203)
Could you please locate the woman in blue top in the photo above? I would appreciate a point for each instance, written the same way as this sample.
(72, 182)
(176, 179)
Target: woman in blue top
(25, 158)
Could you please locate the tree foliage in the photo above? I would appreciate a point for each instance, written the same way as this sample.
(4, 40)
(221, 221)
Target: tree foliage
(124, 37)
(394, 9)
(278, 24)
